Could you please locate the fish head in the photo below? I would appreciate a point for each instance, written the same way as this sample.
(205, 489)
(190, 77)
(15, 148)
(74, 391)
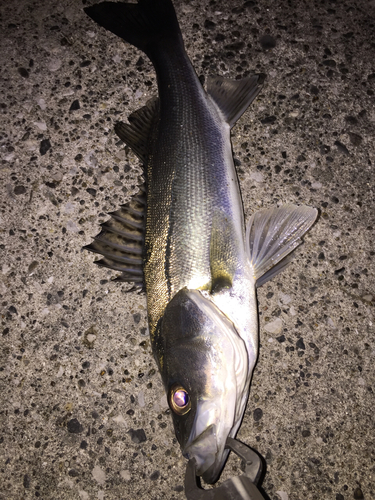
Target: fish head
(205, 372)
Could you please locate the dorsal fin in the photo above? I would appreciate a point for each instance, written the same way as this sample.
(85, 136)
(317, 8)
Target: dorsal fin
(137, 134)
(121, 240)
(233, 97)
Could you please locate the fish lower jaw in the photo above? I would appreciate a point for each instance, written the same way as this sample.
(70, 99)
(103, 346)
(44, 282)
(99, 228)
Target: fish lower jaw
(208, 454)
(210, 469)
(212, 474)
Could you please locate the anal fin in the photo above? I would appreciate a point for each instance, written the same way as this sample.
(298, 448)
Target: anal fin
(233, 97)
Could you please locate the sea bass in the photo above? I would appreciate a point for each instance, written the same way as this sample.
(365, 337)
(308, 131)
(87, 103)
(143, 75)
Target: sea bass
(183, 235)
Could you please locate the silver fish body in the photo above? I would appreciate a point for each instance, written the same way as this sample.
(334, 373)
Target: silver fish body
(194, 241)
(200, 270)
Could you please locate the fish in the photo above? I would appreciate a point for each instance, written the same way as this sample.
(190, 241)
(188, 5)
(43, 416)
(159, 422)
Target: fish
(182, 237)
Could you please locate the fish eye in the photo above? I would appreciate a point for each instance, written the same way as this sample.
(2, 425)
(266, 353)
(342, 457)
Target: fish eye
(179, 399)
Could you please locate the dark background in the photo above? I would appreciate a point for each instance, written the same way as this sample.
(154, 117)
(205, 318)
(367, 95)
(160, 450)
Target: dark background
(83, 413)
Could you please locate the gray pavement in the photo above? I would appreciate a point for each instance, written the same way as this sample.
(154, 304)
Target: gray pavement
(83, 412)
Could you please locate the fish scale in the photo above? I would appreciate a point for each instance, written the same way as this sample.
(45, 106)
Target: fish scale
(183, 181)
(200, 269)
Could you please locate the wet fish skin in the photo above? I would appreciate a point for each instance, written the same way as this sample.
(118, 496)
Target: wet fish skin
(200, 270)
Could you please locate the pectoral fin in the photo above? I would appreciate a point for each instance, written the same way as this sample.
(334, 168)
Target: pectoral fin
(272, 235)
(223, 252)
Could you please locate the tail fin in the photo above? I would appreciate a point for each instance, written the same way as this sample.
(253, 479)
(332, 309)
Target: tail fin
(144, 24)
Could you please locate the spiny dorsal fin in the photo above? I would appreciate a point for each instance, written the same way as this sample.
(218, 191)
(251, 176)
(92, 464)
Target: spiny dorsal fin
(233, 97)
(121, 240)
(137, 134)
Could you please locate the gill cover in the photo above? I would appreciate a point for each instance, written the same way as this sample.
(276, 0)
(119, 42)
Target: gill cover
(203, 363)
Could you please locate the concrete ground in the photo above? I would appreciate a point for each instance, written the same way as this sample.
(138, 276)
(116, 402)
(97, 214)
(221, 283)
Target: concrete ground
(83, 412)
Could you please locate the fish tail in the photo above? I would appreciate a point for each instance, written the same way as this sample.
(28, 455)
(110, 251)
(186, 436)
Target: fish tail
(145, 25)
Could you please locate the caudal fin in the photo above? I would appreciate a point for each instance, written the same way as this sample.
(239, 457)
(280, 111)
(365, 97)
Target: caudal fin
(144, 24)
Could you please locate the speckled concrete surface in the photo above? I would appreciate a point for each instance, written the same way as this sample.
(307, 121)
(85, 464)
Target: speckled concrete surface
(83, 413)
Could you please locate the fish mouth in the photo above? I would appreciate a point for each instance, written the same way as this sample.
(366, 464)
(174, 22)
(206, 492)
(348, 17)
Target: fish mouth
(208, 453)
(211, 475)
